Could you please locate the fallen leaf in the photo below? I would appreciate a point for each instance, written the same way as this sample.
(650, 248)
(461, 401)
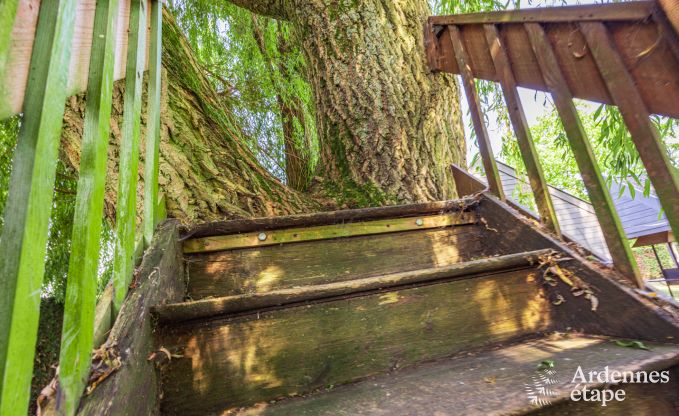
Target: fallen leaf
(490, 380)
(632, 344)
(545, 364)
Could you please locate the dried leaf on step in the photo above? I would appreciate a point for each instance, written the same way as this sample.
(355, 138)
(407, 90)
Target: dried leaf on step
(561, 274)
(105, 361)
(558, 300)
(490, 380)
(632, 344)
(594, 300)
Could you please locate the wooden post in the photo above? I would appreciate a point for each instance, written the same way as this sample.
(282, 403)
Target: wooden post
(29, 202)
(153, 124)
(536, 177)
(126, 210)
(78, 330)
(623, 91)
(8, 11)
(489, 165)
(584, 156)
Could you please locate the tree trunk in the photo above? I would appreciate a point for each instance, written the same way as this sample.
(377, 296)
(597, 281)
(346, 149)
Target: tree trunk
(206, 171)
(384, 121)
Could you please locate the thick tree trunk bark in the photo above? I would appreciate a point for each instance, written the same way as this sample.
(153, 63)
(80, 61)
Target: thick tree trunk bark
(206, 171)
(383, 119)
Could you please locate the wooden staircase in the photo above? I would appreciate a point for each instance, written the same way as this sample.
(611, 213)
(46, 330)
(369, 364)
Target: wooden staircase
(432, 309)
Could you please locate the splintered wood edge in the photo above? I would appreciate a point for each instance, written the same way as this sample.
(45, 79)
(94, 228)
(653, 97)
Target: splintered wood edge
(325, 232)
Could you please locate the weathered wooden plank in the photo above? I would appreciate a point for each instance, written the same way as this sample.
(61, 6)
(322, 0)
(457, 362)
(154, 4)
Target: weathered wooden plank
(529, 154)
(29, 202)
(465, 183)
(651, 62)
(259, 270)
(650, 146)
(134, 388)
(667, 29)
(493, 382)
(325, 232)
(325, 218)
(232, 362)
(621, 311)
(482, 138)
(633, 10)
(8, 12)
(153, 123)
(240, 303)
(78, 329)
(23, 37)
(597, 190)
(126, 209)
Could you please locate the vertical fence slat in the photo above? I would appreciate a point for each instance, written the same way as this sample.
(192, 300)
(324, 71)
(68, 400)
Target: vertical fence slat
(153, 124)
(489, 164)
(529, 154)
(584, 155)
(29, 202)
(8, 11)
(126, 209)
(622, 88)
(81, 291)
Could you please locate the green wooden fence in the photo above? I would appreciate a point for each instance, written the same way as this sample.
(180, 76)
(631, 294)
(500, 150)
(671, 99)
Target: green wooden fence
(31, 184)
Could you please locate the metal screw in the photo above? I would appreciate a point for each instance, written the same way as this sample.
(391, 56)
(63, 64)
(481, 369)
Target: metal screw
(419, 222)
(262, 236)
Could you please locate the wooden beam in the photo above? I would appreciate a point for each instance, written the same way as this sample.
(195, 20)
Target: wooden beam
(153, 123)
(536, 177)
(482, 138)
(29, 202)
(325, 218)
(126, 209)
(8, 12)
(646, 138)
(81, 291)
(584, 155)
(325, 232)
(633, 10)
(14, 80)
(252, 301)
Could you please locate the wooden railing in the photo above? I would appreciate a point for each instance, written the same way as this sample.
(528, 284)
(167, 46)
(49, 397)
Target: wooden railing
(48, 53)
(624, 54)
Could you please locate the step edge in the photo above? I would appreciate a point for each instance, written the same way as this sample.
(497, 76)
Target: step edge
(205, 308)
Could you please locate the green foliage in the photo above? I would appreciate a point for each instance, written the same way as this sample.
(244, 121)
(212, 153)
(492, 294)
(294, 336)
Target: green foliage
(258, 69)
(61, 220)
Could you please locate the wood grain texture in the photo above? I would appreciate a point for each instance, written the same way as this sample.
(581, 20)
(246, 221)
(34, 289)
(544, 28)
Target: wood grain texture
(81, 291)
(597, 189)
(247, 302)
(460, 385)
(126, 203)
(325, 218)
(633, 10)
(29, 202)
(621, 312)
(482, 138)
(262, 269)
(22, 43)
(529, 155)
(134, 388)
(651, 61)
(240, 361)
(629, 99)
(325, 232)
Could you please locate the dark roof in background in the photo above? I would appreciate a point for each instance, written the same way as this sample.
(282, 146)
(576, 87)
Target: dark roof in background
(639, 215)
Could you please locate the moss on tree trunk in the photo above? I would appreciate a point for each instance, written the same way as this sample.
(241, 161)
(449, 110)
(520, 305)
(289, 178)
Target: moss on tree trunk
(385, 123)
(206, 170)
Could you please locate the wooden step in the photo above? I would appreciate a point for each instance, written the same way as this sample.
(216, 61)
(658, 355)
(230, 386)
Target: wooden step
(233, 361)
(206, 308)
(261, 269)
(503, 381)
